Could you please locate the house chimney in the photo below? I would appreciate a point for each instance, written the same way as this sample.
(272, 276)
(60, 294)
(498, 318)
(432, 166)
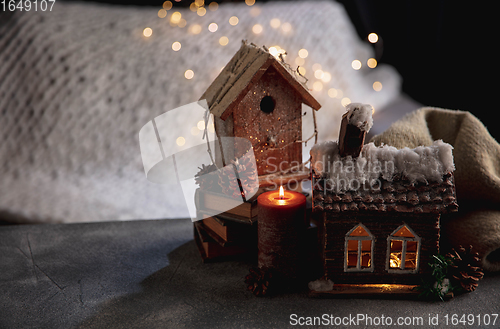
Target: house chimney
(356, 122)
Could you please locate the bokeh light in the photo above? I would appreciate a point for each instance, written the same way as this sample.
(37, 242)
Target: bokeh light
(257, 29)
(373, 37)
(147, 32)
(189, 74)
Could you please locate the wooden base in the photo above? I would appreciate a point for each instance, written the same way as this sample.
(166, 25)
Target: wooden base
(368, 291)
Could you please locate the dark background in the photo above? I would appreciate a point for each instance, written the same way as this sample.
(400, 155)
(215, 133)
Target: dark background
(444, 50)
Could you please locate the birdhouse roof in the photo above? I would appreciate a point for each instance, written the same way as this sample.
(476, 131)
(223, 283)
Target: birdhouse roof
(245, 68)
(384, 179)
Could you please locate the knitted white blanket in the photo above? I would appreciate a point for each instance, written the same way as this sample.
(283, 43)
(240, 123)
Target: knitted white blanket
(78, 83)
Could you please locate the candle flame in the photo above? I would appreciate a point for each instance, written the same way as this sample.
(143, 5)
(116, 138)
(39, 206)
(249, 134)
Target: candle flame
(281, 193)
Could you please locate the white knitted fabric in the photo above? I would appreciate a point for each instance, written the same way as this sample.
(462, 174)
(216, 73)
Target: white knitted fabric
(78, 83)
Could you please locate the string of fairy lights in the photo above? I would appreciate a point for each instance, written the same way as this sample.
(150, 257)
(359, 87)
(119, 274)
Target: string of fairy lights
(322, 78)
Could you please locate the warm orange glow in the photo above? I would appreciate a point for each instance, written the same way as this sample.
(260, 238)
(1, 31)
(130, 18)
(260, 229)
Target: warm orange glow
(395, 261)
(281, 193)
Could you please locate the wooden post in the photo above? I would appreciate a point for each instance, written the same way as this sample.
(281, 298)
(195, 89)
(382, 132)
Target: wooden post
(351, 138)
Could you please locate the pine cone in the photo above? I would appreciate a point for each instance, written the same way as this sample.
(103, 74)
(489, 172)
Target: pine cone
(206, 177)
(465, 269)
(228, 182)
(259, 280)
(247, 171)
(247, 176)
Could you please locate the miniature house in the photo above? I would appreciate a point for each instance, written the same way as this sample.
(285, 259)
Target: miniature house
(258, 97)
(379, 210)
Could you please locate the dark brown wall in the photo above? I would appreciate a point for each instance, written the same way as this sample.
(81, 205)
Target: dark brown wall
(426, 226)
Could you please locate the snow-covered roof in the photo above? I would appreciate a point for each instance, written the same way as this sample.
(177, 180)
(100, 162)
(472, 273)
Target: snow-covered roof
(421, 164)
(384, 179)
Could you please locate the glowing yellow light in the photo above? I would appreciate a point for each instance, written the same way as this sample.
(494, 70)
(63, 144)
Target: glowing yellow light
(299, 61)
(373, 37)
(180, 141)
(279, 51)
(195, 131)
(176, 46)
(257, 29)
(326, 77)
(345, 101)
(211, 128)
(147, 32)
(273, 51)
(377, 86)
(193, 7)
(195, 28)
(162, 13)
(275, 23)
(182, 23)
(356, 64)
(394, 261)
(213, 6)
(167, 5)
(303, 53)
(317, 86)
(286, 27)
(332, 92)
(316, 66)
(318, 74)
(250, 2)
(201, 11)
(281, 193)
(233, 20)
(201, 125)
(213, 27)
(199, 3)
(372, 63)
(176, 17)
(302, 70)
(189, 74)
(223, 41)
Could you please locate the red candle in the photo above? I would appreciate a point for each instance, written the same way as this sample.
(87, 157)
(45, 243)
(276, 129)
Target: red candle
(281, 228)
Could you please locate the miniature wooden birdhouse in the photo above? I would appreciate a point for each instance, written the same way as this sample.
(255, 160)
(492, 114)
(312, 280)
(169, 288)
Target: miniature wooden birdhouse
(379, 207)
(258, 97)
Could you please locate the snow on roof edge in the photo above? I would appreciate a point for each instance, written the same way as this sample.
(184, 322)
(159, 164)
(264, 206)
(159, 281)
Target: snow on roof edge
(421, 164)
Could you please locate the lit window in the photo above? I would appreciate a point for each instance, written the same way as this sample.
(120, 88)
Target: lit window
(358, 250)
(403, 247)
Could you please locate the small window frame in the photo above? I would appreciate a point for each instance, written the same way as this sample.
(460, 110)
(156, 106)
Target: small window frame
(348, 238)
(404, 240)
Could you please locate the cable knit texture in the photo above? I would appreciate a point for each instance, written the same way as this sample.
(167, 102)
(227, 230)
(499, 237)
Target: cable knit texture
(78, 83)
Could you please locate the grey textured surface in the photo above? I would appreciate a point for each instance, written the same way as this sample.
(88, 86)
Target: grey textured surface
(148, 274)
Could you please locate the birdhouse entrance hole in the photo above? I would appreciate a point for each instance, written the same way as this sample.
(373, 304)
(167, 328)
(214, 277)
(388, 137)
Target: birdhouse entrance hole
(267, 104)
